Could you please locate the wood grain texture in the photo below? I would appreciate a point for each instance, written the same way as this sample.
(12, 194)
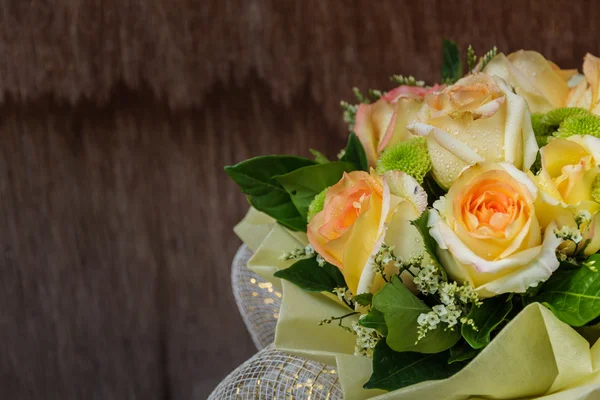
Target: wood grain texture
(116, 118)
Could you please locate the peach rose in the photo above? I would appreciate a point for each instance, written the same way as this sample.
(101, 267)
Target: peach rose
(357, 213)
(570, 170)
(477, 119)
(540, 82)
(587, 93)
(488, 232)
(383, 123)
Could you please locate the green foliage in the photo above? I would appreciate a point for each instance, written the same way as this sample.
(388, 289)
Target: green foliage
(364, 299)
(307, 274)
(349, 113)
(433, 189)
(451, 63)
(462, 351)
(537, 164)
(573, 294)
(401, 309)
(411, 157)
(552, 119)
(319, 157)
(374, 320)
(375, 94)
(541, 131)
(305, 183)
(317, 204)
(486, 318)
(256, 179)
(355, 153)
(471, 58)
(487, 57)
(579, 125)
(393, 370)
(428, 241)
(360, 97)
(410, 80)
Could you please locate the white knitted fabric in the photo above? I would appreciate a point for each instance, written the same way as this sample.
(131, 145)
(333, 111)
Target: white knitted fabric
(270, 374)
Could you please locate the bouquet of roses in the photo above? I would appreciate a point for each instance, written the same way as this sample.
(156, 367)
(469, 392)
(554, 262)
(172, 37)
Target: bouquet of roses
(451, 250)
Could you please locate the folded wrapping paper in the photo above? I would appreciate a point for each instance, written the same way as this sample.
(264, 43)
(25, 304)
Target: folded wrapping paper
(536, 356)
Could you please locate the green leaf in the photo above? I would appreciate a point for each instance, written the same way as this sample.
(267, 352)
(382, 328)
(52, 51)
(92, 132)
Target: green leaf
(374, 320)
(364, 299)
(255, 177)
(451, 62)
(471, 58)
(428, 241)
(486, 318)
(401, 309)
(355, 153)
(305, 183)
(573, 295)
(393, 370)
(310, 276)
(319, 157)
(462, 351)
(433, 189)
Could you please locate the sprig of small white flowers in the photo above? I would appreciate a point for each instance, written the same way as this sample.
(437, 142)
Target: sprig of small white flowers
(302, 252)
(344, 294)
(386, 255)
(340, 320)
(406, 80)
(366, 339)
(456, 299)
(583, 218)
(568, 234)
(320, 260)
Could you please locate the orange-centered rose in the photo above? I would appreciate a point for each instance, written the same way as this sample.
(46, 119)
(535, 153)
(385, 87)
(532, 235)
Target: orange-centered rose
(488, 232)
(357, 213)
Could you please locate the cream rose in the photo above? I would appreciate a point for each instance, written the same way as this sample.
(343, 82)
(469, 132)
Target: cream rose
(540, 82)
(359, 212)
(586, 94)
(570, 173)
(488, 232)
(383, 123)
(477, 119)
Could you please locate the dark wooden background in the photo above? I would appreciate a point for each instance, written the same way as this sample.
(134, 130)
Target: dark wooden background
(116, 117)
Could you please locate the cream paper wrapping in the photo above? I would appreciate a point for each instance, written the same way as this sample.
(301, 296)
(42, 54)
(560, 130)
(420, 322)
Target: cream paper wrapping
(535, 356)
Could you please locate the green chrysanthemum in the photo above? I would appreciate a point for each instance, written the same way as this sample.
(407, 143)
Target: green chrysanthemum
(596, 189)
(410, 157)
(317, 204)
(579, 125)
(540, 130)
(552, 119)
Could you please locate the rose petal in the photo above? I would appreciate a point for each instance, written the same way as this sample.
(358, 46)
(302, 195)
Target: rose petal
(520, 146)
(539, 270)
(405, 186)
(371, 123)
(456, 147)
(488, 109)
